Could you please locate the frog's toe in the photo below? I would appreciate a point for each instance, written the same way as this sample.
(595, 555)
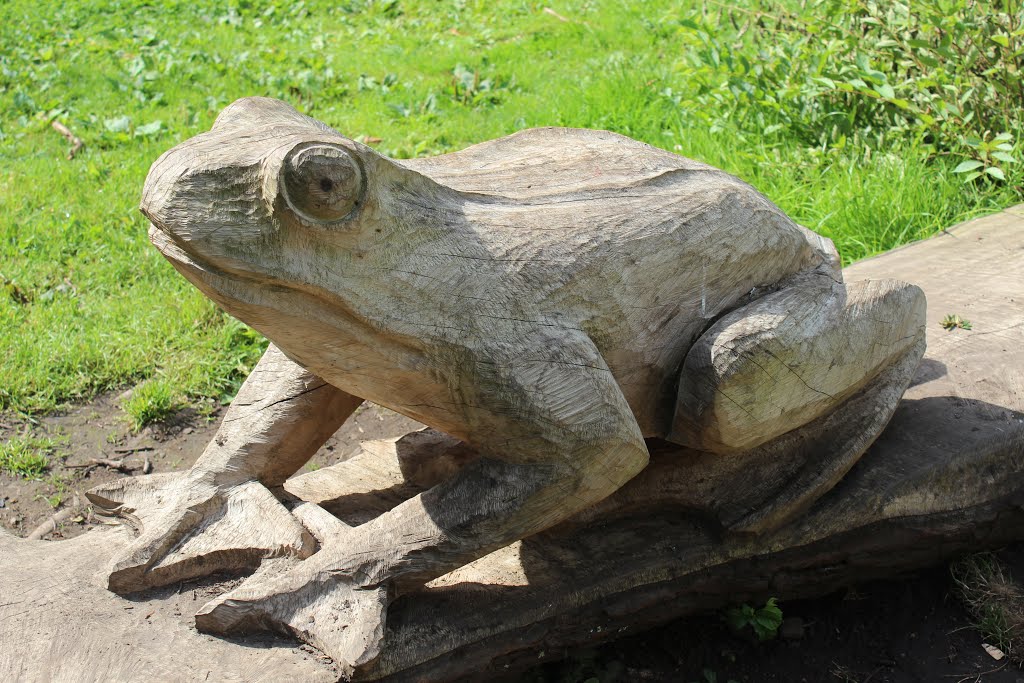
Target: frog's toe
(187, 530)
(321, 608)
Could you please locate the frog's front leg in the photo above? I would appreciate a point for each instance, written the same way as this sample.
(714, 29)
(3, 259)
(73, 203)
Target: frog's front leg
(557, 436)
(220, 515)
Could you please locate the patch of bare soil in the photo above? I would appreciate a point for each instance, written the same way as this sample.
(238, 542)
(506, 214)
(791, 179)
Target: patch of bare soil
(100, 431)
(910, 631)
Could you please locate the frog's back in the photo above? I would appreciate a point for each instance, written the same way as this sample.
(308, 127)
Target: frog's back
(603, 211)
(639, 247)
(542, 186)
(548, 162)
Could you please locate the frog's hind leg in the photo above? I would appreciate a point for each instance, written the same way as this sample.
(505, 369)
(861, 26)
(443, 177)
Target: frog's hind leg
(799, 384)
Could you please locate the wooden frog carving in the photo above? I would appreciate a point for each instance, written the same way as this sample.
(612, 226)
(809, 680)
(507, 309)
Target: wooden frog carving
(552, 298)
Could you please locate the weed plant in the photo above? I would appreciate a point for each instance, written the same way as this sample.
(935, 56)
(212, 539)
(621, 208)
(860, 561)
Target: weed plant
(994, 599)
(27, 457)
(763, 621)
(861, 120)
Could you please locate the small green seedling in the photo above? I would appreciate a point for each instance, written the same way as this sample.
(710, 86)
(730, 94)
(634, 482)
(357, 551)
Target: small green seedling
(764, 620)
(54, 501)
(952, 322)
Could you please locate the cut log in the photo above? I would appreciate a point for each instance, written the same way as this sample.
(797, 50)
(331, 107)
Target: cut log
(946, 476)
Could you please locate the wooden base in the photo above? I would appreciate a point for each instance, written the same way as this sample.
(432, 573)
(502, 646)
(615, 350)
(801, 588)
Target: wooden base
(947, 476)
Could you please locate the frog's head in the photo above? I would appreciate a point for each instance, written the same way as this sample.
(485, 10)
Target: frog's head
(270, 205)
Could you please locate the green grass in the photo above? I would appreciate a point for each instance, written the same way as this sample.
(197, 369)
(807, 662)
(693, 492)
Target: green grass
(152, 401)
(27, 457)
(86, 305)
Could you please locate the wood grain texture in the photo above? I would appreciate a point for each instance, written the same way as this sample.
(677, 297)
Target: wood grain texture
(58, 623)
(790, 357)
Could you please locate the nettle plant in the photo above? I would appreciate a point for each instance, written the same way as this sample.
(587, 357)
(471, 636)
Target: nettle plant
(944, 75)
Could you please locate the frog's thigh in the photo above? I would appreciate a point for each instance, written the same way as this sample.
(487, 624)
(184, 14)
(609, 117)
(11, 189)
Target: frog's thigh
(790, 357)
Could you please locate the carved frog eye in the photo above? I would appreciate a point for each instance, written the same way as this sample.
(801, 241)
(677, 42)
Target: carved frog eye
(321, 182)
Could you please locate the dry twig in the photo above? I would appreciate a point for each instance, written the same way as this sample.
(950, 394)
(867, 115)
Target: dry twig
(119, 465)
(53, 522)
(76, 142)
(556, 15)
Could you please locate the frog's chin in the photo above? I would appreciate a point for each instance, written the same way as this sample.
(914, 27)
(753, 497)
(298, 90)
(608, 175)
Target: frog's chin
(196, 271)
(270, 305)
(252, 299)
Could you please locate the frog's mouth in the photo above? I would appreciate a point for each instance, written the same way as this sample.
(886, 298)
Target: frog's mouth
(248, 298)
(226, 286)
(256, 299)
(172, 250)
(272, 308)
(194, 268)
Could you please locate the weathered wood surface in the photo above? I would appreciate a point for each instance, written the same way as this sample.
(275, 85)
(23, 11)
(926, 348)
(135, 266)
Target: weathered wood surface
(946, 475)
(552, 298)
(58, 622)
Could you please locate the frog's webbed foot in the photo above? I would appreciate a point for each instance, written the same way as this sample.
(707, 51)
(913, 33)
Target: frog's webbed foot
(312, 601)
(188, 527)
(219, 516)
